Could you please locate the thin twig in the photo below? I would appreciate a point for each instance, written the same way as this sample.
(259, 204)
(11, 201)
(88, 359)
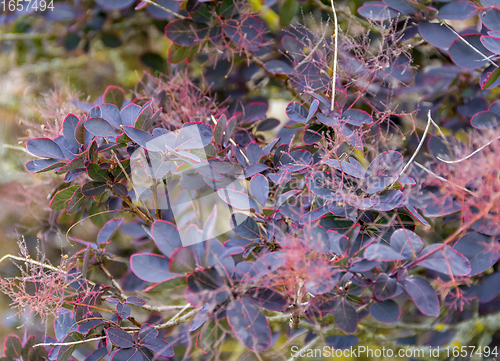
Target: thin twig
(441, 178)
(470, 155)
(113, 281)
(175, 321)
(53, 344)
(179, 16)
(306, 59)
(334, 76)
(429, 119)
(29, 260)
(16, 147)
(471, 46)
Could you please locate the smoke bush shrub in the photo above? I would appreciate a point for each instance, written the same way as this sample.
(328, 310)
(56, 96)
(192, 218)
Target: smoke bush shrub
(370, 217)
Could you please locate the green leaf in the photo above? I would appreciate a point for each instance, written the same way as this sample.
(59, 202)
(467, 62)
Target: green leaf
(154, 61)
(75, 201)
(13, 347)
(66, 351)
(288, 12)
(98, 219)
(61, 198)
(97, 173)
(177, 53)
(114, 95)
(118, 174)
(355, 299)
(110, 40)
(493, 78)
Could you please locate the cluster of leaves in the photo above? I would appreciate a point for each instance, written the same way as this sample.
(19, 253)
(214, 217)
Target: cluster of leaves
(328, 218)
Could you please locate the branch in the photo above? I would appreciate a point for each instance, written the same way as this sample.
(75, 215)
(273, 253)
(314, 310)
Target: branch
(429, 119)
(334, 57)
(470, 155)
(174, 321)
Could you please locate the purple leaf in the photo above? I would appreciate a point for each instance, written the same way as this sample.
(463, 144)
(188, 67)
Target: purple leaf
(44, 147)
(42, 165)
(147, 332)
(376, 10)
(193, 136)
(134, 300)
(354, 168)
(99, 127)
(457, 10)
(446, 260)
(97, 354)
(387, 311)
(259, 186)
(491, 43)
(267, 124)
(405, 7)
(244, 226)
(69, 126)
(64, 323)
(407, 243)
(382, 171)
(488, 289)
(312, 109)
(254, 112)
(479, 250)
(296, 112)
(247, 33)
(388, 201)
(254, 169)
(423, 295)
(120, 338)
(466, 57)
(296, 160)
(159, 347)
(123, 310)
(182, 261)
(417, 215)
(320, 285)
(278, 67)
(204, 280)
(129, 354)
(267, 264)
(346, 317)
(142, 138)
(485, 120)
(491, 18)
(381, 252)
(166, 237)
(236, 199)
(357, 117)
(385, 287)
(111, 114)
(437, 34)
(129, 114)
(322, 184)
(109, 228)
(267, 298)
(115, 4)
(321, 305)
(151, 267)
(249, 325)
